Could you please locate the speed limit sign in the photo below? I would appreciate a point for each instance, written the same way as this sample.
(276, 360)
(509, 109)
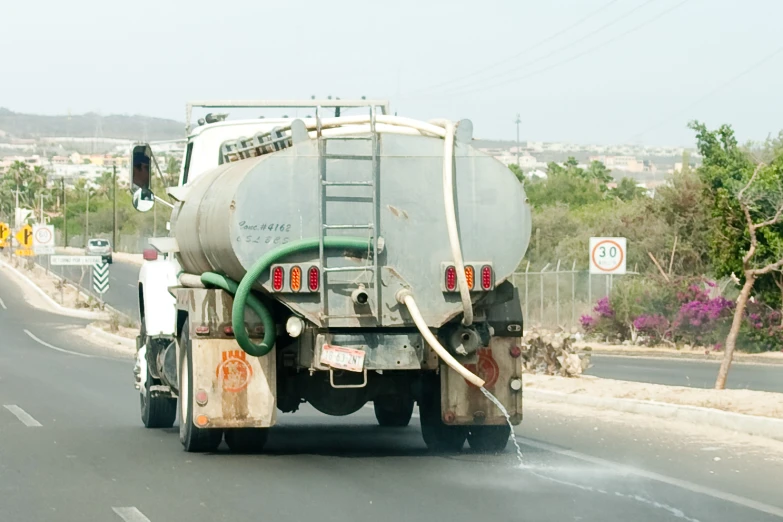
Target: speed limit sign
(607, 255)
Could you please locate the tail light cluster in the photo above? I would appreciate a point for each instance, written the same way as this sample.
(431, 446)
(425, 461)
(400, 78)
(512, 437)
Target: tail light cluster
(295, 278)
(479, 276)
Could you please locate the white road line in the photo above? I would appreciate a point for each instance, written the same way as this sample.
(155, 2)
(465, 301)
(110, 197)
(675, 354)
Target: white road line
(2, 305)
(22, 415)
(44, 343)
(130, 514)
(132, 286)
(684, 484)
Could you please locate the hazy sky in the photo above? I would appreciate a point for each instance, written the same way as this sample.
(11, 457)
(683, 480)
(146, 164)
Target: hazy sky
(633, 71)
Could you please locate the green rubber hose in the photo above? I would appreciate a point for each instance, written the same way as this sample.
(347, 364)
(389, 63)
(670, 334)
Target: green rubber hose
(230, 286)
(243, 296)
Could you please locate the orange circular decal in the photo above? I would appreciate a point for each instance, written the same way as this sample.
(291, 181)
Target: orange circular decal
(234, 372)
(487, 368)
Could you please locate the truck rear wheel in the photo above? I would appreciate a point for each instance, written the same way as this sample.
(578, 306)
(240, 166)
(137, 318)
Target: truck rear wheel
(156, 412)
(489, 439)
(439, 436)
(246, 440)
(193, 438)
(393, 410)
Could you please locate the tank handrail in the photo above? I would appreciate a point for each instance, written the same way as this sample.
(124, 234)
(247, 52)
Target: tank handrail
(281, 104)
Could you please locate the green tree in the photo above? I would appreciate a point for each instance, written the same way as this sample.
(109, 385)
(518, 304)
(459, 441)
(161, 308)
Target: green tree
(517, 170)
(628, 190)
(747, 210)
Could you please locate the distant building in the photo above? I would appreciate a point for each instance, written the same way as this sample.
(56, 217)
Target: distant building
(624, 163)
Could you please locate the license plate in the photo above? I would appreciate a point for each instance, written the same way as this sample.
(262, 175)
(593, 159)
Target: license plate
(342, 358)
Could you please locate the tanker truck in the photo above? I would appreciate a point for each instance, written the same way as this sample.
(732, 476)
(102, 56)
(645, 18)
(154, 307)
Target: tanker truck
(337, 260)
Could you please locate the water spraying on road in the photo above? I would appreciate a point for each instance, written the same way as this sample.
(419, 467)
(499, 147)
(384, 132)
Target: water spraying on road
(503, 410)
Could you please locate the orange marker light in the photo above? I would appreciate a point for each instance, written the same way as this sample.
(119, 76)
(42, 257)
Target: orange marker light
(296, 279)
(470, 276)
(202, 420)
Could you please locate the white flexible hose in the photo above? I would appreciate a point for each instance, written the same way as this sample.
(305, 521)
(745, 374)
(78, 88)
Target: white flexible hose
(405, 297)
(451, 220)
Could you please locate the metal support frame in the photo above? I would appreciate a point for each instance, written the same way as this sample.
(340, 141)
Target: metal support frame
(280, 104)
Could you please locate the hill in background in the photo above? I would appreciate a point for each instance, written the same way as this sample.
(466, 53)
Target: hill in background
(89, 125)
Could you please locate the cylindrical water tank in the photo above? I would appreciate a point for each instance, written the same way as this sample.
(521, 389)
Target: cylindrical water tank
(239, 211)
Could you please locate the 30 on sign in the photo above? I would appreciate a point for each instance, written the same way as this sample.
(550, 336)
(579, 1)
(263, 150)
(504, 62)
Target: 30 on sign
(607, 255)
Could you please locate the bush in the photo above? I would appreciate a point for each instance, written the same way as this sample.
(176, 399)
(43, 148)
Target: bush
(684, 311)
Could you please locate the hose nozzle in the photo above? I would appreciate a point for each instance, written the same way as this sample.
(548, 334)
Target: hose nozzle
(360, 296)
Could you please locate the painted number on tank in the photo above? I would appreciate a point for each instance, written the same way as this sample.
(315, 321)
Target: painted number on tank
(271, 227)
(267, 240)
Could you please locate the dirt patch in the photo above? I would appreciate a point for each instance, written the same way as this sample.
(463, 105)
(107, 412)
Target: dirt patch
(117, 327)
(62, 293)
(684, 353)
(749, 402)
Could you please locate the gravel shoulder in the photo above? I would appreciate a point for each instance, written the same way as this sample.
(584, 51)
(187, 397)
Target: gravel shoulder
(748, 402)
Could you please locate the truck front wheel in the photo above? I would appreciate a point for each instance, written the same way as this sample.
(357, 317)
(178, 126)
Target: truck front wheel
(393, 410)
(156, 412)
(489, 439)
(194, 439)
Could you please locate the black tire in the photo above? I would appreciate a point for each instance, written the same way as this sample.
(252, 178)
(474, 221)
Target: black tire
(393, 411)
(246, 440)
(156, 412)
(489, 439)
(438, 436)
(193, 438)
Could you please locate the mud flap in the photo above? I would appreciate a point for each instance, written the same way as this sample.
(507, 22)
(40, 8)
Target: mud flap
(464, 404)
(240, 389)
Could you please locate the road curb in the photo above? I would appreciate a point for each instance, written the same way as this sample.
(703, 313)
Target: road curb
(128, 344)
(54, 305)
(758, 361)
(749, 424)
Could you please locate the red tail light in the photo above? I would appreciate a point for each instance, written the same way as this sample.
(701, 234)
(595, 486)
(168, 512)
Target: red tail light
(228, 331)
(277, 278)
(314, 278)
(451, 278)
(486, 277)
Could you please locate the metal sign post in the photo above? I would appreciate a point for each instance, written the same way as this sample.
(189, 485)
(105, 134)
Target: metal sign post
(100, 279)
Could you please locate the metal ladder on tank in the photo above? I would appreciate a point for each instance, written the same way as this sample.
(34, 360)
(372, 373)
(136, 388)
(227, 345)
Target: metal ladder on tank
(371, 225)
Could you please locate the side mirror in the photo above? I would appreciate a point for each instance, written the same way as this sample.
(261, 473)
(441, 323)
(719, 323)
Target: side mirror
(141, 167)
(143, 200)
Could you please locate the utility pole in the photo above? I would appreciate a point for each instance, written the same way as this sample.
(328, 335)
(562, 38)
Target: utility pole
(65, 214)
(41, 220)
(114, 208)
(87, 223)
(518, 121)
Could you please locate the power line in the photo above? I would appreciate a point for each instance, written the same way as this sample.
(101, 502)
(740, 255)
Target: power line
(568, 45)
(712, 92)
(576, 56)
(520, 53)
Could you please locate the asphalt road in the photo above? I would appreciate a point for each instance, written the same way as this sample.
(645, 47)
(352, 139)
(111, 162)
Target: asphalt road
(123, 284)
(680, 372)
(73, 449)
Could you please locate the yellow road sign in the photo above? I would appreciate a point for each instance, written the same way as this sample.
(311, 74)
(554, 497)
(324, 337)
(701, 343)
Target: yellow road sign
(25, 252)
(5, 231)
(25, 237)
